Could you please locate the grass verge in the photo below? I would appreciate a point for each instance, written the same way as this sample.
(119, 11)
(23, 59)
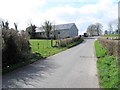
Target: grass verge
(100, 50)
(107, 68)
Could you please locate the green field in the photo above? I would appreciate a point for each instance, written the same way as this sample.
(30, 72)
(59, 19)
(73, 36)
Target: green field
(44, 47)
(107, 68)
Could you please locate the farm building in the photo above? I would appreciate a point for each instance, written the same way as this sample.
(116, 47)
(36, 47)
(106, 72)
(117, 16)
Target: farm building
(59, 31)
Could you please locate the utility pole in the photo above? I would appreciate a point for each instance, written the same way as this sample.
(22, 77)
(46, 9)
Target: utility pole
(119, 19)
(54, 31)
(118, 38)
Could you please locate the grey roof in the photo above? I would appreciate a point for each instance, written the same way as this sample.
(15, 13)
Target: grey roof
(57, 27)
(64, 26)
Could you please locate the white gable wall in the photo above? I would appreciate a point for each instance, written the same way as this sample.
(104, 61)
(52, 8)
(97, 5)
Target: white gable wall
(63, 33)
(73, 31)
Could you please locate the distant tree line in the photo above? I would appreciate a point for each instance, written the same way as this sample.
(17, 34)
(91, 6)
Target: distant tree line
(110, 30)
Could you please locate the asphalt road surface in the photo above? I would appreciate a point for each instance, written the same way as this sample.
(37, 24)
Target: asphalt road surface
(73, 68)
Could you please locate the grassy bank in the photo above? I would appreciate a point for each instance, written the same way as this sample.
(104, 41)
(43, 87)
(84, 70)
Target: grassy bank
(107, 67)
(33, 58)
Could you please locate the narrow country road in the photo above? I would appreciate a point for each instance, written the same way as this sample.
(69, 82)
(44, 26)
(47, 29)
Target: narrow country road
(73, 68)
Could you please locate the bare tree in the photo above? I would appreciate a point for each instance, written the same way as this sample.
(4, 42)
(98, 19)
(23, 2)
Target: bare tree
(91, 29)
(47, 27)
(95, 29)
(98, 28)
(110, 28)
(31, 30)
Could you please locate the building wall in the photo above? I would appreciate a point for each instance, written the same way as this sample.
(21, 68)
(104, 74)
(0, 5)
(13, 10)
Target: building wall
(73, 31)
(60, 34)
(63, 33)
(41, 35)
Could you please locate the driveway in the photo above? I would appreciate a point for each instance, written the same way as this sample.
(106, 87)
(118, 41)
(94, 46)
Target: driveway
(73, 68)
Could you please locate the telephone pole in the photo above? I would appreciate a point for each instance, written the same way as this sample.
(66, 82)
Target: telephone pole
(119, 19)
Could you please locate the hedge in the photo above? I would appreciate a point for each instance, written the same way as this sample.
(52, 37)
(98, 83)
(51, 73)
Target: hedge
(113, 46)
(66, 41)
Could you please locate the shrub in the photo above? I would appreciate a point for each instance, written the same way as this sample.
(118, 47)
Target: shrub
(74, 43)
(66, 41)
(15, 47)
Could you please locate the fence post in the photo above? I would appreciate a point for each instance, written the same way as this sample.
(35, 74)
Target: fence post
(38, 45)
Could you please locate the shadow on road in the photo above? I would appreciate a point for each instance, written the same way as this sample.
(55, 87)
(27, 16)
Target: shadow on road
(24, 74)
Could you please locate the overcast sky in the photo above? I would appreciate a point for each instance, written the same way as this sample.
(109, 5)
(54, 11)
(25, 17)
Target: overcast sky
(80, 12)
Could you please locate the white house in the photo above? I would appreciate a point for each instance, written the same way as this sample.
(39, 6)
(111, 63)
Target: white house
(59, 31)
